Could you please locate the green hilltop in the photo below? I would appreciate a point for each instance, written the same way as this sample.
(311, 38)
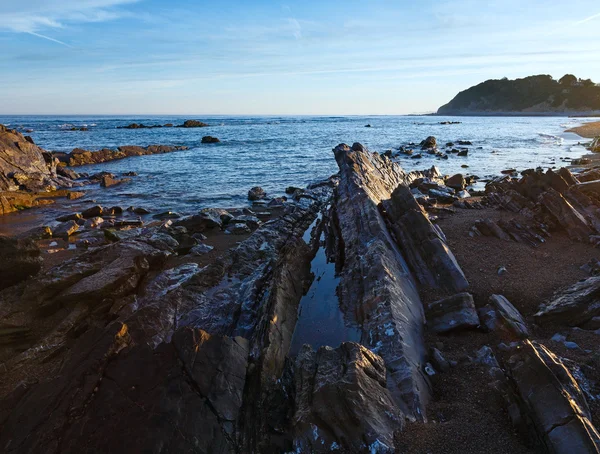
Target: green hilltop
(531, 95)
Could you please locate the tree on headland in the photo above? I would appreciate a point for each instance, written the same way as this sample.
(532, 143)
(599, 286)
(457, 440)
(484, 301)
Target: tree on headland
(568, 80)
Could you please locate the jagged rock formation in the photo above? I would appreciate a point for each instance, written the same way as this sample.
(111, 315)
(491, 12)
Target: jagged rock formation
(26, 170)
(549, 202)
(79, 157)
(534, 95)
(24, 165)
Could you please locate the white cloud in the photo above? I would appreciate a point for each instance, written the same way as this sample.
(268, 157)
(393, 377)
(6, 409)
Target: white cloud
(35, 16)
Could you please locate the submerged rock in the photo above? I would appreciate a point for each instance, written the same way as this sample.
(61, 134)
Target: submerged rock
(210, 139)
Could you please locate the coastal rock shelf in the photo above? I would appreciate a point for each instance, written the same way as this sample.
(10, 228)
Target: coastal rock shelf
(225, 354)
(79, 157)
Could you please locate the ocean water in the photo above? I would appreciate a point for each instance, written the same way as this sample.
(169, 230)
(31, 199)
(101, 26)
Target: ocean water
(280, 151)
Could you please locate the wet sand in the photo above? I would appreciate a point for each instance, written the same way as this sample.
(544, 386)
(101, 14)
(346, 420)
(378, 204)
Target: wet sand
(587, 130)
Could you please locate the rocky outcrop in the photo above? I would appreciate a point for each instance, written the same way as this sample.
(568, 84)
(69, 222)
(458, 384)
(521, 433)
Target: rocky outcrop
(549, 403)
(377, 289)
(256, 193)
(79, 157)
(24, 165)
(210, 139)
(550, 201)
(342, 401)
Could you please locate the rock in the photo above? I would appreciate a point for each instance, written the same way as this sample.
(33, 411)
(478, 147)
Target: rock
(20, 260)
(439, 362)
(238, 229)
(501, 315)
(453, 313)
(67, 173)
(456, 182)
(69, 217)
(201, 249)
(23, 164)
(199, 223)
(74, 195)
(429, 142)
(256, 193)
(210, 139)
(573, 306)
(139, 210)
(193, 124)
(167, 215)
(219, 213)
(463, 153)
(79, 157)
(464, 142)
(508, 171)
(342, 402)
(550, 402)
(93, 212)
(108, 181)
(575, 224)
(251, 221)
(65, 229)
(94, 223)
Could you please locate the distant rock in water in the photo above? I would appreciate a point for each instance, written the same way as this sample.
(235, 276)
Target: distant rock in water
(193, 124)
(210, 139)
(531, 95)
(143, 126)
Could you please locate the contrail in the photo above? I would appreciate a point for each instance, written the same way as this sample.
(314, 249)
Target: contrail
(49, 39)
(587, 19)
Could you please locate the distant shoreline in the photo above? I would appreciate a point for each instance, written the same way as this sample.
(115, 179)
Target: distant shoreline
(591, 114)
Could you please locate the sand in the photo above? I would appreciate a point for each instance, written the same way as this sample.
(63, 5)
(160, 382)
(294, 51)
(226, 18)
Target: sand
(587, 130)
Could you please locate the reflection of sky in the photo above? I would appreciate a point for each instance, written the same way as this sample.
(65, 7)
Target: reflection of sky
(263, 57)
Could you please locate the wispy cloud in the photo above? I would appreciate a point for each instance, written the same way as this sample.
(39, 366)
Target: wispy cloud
(35, 16)
(587, 19)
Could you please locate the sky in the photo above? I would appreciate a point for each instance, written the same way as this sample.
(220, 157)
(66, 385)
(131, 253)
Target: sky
(280, 58)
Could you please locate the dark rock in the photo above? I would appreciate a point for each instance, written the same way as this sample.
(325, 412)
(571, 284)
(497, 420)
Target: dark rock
(199, 223)
(256, 193)
(140, 211)
(429, 142)
(238, 229)
(210, 139)
(93, 212)
(65, 229)
(167, 215)
(463, 153)
(251, 221)
(464, 142)
(20, 259)
(193, 124)
(67, 173)
(550, 402)
(342, 402)
(501, 315)
(69, 217)
(108, 181)
(439, 362)
(456, 182)
(574, 305)
(452, 313)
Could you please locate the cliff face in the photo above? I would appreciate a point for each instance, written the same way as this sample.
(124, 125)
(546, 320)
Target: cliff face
(535, 94)
(23, 165)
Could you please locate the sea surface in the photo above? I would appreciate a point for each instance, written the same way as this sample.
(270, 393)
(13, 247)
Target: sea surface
(280, 151)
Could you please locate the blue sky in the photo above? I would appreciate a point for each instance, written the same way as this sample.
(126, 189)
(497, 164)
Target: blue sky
(265, 57)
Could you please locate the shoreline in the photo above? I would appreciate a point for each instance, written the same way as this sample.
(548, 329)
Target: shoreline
(587, 130)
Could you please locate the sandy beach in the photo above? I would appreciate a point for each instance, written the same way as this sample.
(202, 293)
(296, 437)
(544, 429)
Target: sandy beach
(587, 130)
